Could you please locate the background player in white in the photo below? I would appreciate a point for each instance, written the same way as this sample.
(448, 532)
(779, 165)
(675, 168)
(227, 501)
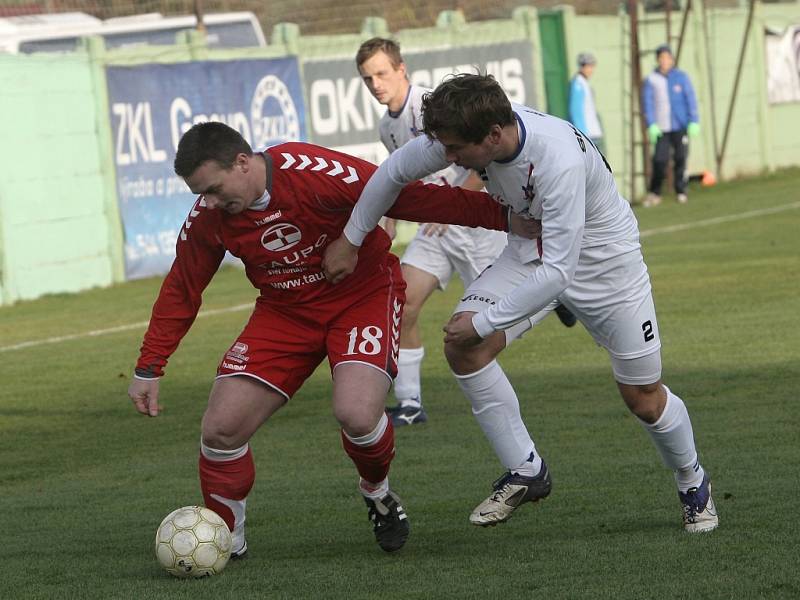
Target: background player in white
(437, 250)
(588, 257)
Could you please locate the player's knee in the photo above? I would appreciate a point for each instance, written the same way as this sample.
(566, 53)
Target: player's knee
(645, 401)
(464, 360)
(410, 315)
(221, 436)
(356, 419)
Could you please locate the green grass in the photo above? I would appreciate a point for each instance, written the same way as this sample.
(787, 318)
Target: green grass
(84, 480)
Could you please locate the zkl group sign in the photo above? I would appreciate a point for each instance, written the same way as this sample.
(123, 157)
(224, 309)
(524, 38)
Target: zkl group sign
(152, 106)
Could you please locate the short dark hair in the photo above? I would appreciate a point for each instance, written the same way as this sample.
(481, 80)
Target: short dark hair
(377, 44)
(466, 105)
(209, 141)
(663, 48)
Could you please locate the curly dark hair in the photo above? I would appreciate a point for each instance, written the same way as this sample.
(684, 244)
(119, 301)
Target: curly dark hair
(466, 105)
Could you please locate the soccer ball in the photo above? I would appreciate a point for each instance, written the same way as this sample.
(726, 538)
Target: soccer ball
(193, 541)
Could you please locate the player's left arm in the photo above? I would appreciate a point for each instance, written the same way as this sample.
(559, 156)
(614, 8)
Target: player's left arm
(647, 102)
(428, 202)
(563, 218)
(418, 158)
(576, 105)
(691, 99)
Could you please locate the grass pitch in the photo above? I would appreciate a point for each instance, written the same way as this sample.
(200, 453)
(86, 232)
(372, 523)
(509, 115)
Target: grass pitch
(85, 481)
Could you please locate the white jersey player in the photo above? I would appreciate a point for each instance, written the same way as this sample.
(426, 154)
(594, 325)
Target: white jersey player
(437, 251)
(588, 257)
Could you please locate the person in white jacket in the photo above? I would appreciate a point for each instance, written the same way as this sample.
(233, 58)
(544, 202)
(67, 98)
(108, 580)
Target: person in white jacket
(588, 257)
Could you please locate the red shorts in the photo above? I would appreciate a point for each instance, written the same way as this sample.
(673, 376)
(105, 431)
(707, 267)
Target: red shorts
(281, 345)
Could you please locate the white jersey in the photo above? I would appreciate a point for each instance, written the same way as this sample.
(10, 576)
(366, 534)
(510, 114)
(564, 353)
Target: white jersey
(464, 250)
(557, 176)
(399, 128)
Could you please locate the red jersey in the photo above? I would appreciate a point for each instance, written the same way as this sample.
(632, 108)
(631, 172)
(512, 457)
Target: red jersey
(312, 191)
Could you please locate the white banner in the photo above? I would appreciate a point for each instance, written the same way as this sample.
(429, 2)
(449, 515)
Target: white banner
(783, 65)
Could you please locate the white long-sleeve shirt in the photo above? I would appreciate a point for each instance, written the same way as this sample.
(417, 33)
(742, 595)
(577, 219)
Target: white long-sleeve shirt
(557, 176)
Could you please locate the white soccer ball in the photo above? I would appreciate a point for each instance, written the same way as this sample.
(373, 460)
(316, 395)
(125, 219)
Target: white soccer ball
(193, 541)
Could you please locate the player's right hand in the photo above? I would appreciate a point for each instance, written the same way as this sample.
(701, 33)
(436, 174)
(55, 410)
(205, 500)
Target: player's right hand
(654, 132)
(525, 227)
(340, 259)
(437, 229)
(144, 393)
(390, 227)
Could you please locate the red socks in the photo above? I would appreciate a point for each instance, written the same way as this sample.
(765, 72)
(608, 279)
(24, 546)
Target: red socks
(372, 461)
(225, 485)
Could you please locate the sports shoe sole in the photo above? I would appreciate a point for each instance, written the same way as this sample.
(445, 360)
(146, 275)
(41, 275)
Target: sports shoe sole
(241, 553)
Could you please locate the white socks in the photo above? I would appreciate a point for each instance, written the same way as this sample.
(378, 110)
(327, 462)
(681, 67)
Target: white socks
(222, 455)
(674, 440)
(373, 436)
(495, 406)
(407, 386)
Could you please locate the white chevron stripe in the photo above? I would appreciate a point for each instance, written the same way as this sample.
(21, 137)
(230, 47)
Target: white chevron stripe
(290, 160)
(237, 507)
(353, 176)
(304, 162)
(337, 168)
(321, 164)
(397, 305)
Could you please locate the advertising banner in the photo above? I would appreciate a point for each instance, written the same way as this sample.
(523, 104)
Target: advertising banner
(344, 115)
(783, 65)
(151, 106)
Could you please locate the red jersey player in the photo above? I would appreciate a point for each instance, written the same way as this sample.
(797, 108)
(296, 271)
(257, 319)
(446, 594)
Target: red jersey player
(277, 211)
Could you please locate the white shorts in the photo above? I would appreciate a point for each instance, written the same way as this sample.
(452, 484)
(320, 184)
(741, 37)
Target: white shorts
(497, 280)
(465, 250)
(613, 300)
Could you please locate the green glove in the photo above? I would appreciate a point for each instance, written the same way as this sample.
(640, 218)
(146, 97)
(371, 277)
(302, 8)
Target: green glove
(693, 129)
(654, 132)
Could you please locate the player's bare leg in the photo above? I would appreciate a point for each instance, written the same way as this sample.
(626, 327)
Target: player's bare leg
(237, 407)
(663, 414)
(359, 392)
(496, 407)
(407, 385)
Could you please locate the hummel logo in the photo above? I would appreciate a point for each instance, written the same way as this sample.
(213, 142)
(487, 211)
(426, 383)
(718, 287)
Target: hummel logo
(268, 219)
